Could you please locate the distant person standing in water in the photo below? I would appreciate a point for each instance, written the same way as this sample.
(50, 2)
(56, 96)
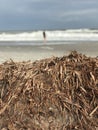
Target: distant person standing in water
(44, 36)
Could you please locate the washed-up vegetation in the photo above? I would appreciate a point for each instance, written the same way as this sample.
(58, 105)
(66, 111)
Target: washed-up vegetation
(58, 93)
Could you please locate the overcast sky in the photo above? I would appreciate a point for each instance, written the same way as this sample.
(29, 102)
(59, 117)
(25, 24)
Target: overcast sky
(48, 14)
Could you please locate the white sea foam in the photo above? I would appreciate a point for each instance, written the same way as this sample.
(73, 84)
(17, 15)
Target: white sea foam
(56, 35)
(46, 47)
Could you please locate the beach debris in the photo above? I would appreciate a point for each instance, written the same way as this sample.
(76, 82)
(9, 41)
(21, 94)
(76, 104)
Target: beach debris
(58, 93)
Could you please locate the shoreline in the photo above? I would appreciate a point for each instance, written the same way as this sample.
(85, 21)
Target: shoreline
(29, 52)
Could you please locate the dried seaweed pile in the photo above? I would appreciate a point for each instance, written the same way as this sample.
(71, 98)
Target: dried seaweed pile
(50, 94)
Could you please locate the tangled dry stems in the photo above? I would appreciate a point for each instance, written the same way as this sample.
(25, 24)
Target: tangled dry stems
(50, 94)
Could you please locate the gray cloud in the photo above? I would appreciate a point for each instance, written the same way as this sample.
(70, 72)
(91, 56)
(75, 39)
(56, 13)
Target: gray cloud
(48, 14)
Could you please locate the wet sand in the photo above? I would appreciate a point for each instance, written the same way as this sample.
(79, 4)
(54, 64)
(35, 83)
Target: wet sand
(25, 53)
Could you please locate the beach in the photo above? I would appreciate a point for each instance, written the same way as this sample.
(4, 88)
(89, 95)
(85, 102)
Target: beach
(52, 93)
(36, 52)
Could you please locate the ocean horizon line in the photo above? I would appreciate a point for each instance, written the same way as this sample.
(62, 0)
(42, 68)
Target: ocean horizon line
(26, 30)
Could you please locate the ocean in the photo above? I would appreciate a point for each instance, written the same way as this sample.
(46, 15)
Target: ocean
(52, 37)
(30, 45)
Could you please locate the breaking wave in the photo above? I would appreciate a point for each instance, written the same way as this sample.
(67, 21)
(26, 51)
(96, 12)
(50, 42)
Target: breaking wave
(52, 35)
